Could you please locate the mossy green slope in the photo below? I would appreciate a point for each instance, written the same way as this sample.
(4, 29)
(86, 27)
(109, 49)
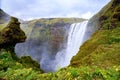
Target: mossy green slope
(103, 48)
(4, 18)
(12, 68)
(27, 69)
(108, 17)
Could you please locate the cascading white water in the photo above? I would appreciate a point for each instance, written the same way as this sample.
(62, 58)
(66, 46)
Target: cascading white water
(75, 40)
(62, 59)
(49, 63)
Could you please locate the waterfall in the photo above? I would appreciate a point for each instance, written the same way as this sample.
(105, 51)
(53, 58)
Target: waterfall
(75, 40)
(62, 59)
(52, 62)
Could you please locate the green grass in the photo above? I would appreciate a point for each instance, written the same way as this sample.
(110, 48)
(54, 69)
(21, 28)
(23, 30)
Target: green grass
(98, 58)
(11, 66)
(2, 26)
(101, 64)
(26, 69)
(102, 49)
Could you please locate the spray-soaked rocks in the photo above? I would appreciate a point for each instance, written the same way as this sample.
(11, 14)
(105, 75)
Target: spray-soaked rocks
(11, 34)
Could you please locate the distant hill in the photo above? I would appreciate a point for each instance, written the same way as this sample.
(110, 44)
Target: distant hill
(4, 17)
(27, 26)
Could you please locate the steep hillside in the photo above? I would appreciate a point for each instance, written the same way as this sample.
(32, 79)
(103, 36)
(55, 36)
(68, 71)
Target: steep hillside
(103, 48)
(108, 17)
(4, 18)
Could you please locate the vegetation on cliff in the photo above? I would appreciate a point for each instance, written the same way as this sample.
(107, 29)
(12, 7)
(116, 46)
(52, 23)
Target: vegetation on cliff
(9, 62)
(11, 69)
(108, 17)
(103, 48)
(11, 34)
(98, 58)
(27, 69)
(102, 51)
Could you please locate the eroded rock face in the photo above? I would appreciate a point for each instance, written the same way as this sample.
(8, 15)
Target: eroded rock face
(11, 34)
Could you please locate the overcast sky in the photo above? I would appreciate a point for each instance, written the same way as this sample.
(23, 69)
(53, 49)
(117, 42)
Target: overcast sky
(31, 9)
